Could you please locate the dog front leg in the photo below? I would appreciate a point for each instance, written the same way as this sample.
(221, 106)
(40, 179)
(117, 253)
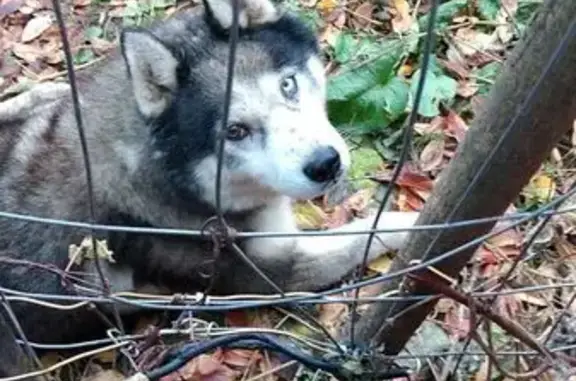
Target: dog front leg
(321, 261)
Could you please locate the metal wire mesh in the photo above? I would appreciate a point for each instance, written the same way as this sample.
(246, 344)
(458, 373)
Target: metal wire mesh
(203, 301)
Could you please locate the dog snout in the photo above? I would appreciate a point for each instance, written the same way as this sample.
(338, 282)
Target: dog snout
(324, 165)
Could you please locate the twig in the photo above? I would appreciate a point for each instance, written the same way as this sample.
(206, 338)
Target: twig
(437, 284)
(62, 73)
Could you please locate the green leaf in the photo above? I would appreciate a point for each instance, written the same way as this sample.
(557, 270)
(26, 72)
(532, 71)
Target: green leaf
(489, 8)
(83, 56)
(372, 110)
(93, 32)
(437, 88)
(486, 75)
(444, 14)
(526, 12)
(369, 96)
(395, 94)
(354, 81)
(365, 161)
(344, 48)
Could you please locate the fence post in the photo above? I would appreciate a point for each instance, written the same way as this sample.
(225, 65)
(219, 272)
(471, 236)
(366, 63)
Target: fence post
(530, 107)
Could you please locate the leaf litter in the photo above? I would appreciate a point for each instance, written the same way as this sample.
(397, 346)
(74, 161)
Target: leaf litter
(369, 97)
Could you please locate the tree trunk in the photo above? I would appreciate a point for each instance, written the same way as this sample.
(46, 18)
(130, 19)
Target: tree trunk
(530, 107)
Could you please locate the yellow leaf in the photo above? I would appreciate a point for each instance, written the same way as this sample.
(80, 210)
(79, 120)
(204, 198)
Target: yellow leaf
(541, 188)
(308, 215)
(327, 5)
(405, 70)
(402, 7)
(380, 264)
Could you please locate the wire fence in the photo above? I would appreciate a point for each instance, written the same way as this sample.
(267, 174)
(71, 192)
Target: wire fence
(327, 353)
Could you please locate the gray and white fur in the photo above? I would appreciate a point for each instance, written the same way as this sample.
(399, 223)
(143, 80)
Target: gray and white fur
(152, 115)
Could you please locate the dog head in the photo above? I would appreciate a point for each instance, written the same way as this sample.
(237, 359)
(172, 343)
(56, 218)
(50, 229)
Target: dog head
(278, 139)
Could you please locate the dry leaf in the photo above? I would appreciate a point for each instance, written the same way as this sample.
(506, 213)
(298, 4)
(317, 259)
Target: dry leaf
(504, 31)
(434, 127)
(35, 27)
(331, 316)
(82, 3)
(455, 64)
(327, 6)
(240, 357)
(455, 126)
(483, 372)
(457, 322)
(509, 237)
(337, 17)
(308, 215)
(330, 35)
(10, 6)
(470, 41)
(309, 3)
(408, 201)
(467, 88)
(101, 46)
(77, 253)
(207, 368)
(507, 305)
(363, 15)
(105, 375)
(432, 155)
(338, 217)
(510, 5)
(402, 21)
(530, 299)
(359, 201)
(108, 357)
(541, 188)
(28, 53)
(381, 264)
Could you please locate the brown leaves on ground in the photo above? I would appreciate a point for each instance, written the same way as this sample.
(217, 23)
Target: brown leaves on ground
(30, 43)
(222, 365)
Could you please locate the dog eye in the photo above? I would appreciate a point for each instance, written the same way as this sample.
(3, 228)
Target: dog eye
(289, 87)
(237, 132)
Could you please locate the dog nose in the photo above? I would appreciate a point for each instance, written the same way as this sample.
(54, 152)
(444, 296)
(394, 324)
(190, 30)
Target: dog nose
(324, 165)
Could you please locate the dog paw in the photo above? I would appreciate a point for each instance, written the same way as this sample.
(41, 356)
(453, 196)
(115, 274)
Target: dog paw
(395, 240)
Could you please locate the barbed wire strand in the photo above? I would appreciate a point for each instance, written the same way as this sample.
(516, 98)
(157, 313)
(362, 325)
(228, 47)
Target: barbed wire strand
(406, 146)
(303, 297)
(272, 234)
(224, 304)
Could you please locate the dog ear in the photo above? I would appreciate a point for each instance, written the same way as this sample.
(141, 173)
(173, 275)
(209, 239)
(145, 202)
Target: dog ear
(251, 13)
(152, 69)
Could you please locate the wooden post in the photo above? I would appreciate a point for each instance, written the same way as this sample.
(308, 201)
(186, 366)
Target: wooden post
(530, 107)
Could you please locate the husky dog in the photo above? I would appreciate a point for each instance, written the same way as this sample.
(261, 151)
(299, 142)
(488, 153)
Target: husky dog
(152, 117)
